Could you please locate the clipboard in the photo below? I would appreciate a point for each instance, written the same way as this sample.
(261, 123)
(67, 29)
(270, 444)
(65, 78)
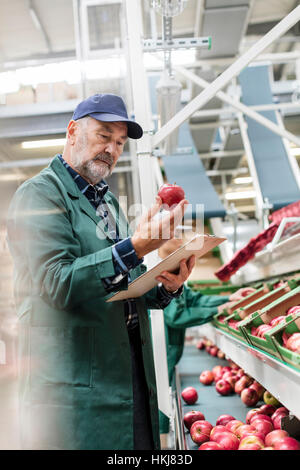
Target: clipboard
(198, 246)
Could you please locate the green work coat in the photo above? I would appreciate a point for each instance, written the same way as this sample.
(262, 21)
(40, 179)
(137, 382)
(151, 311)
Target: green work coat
(190, 309)
(75, 363)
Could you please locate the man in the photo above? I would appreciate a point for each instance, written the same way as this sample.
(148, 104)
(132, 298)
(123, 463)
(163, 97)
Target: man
(87, 377)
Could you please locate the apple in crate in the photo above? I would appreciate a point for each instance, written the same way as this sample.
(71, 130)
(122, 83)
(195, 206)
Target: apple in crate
(191, 416)
(287, 443)
(171, 195)
(293, 310)
(224, 419)
(275, 436)
(206, 377)
(276, 320)
(189, 395)
(293, 343)
(223, 387)
(210, 446)
(200, 431)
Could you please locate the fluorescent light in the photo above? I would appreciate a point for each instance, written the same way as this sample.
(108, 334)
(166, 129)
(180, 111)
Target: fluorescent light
(295, 151)
(34, 144)
(12, 177)
(243, 180)
(240, 195)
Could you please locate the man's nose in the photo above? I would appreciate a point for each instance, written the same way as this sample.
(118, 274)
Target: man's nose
(111, 148)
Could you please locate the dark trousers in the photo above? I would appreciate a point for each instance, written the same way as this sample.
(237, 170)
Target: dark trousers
(143, 438)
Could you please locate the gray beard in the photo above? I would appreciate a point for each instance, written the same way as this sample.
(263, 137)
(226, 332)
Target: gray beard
(94, 171)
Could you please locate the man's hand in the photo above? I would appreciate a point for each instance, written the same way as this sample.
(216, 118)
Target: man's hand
(241, 293)
(172, 281)
(152, 233)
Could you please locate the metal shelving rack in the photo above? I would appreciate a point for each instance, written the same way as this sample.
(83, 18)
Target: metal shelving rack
(281, 380)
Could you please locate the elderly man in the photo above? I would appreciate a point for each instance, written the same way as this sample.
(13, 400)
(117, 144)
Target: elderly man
(86, 373)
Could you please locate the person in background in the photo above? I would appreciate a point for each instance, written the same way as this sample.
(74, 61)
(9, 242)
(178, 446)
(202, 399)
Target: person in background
(190, 309)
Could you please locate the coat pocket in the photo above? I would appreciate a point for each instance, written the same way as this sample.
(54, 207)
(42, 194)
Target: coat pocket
(61, 356)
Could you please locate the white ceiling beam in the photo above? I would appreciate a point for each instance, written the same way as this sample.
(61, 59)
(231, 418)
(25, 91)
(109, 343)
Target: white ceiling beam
(222, 80)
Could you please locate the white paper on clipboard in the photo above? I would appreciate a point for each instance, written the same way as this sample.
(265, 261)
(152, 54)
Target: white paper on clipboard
(198, 246)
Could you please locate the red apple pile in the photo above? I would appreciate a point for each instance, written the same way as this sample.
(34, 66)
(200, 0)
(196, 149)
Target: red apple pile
(258, 433)
(210, 348)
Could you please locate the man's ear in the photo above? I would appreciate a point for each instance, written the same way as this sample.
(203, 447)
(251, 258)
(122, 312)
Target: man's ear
(72, 132)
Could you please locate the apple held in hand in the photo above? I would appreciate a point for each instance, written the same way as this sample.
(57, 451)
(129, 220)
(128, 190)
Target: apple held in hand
(206, 377)
(171, 195)
(191, 416)
(200, 431)
(189, 395)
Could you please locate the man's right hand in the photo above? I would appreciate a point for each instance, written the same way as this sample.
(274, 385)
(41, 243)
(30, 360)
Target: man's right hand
(152, 233)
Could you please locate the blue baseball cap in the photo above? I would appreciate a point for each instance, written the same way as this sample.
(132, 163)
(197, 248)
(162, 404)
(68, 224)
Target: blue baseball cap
(108, 108)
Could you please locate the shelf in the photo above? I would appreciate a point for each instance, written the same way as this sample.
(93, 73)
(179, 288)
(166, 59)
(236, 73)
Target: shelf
(284, 258)
(280, 379)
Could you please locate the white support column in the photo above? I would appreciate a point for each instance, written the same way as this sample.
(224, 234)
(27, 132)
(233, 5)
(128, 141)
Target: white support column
(223, 79)
(142, 109)
(250, 112)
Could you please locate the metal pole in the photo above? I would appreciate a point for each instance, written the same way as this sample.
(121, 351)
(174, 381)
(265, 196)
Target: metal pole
(227, 76)
(141, 104)
(241, 107)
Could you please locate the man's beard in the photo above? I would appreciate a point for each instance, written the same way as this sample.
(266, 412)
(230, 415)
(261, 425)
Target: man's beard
(96, 169)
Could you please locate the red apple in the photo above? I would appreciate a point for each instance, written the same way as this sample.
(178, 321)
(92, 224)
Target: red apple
(210, 446)
(221, 354)
(216, 430)
(227, 440)
(217, 371)
(191, 416)
(258, 388)
(251, 441)
(253, 331)
(263, 426)
(285, 337)
(233, 425)
(200, 431)
(189, 395)
(255, 433)
(206, 377)
(293, 343)
(226, 369)
(267, 448)
(281, 410)
(249, 397)
(262, 329)
(200, 345)
(275, 436)
(293, 310)
(213, 351)
(251, 413)
(242, 383)
(268, 409)
(223, 387)
(277, 421)
(287, 443)
(171, 195)
(261, 416)
(240, 373)
(224, 419)
(243, 430)
(276, 320)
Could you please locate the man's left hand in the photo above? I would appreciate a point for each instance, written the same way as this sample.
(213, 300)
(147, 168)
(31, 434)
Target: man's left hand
(173, 282)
